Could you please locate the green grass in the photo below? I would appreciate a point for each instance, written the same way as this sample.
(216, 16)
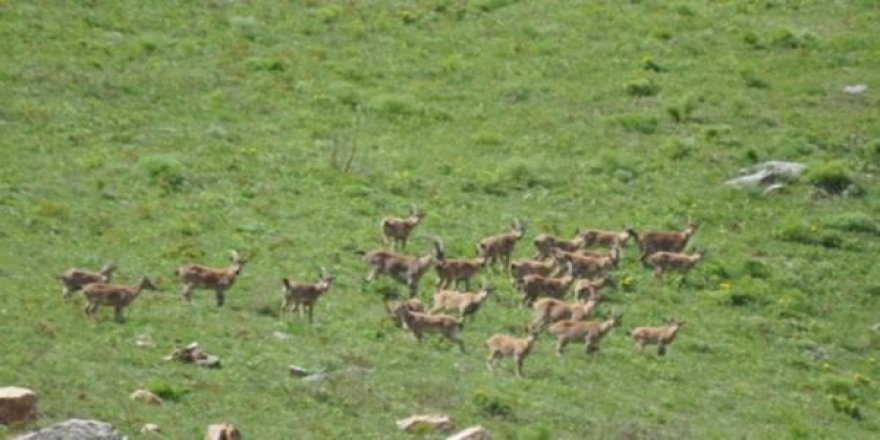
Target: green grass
(160, 134)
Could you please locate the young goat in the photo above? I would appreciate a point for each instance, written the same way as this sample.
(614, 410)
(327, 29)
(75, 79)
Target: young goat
(534, 286)
(590, 266)
(394, 312)
(98, 294)
(659, 336)
(305, 295)
(396, 230)
(551, 310)
(466, 303)
(665, 261)
(609, 239)
(521, 268)
(420, 323)
(590, 332)
(196, 276)
(404, 269)
(546, 244)
(452, 272)
(499, 247)
(74, 279)
(501, 346)
(584, 289)
(669, 241)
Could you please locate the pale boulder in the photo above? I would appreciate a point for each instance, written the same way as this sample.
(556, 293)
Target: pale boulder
(472, 433)
(17, 405)
(146, 396)
(426, 423)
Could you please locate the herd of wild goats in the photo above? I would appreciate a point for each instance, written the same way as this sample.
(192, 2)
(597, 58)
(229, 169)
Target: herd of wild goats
(560, 266)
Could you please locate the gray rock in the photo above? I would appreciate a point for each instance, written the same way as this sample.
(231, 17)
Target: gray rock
(75, 429)
(767, 173)
(472, 433)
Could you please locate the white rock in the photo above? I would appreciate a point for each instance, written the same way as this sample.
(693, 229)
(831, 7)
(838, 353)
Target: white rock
(426, 423)
(145, 396)
(17, 405)
(150, 428)
(222, 431)
(297, 371)
(855, 89)
(472, 433)
(75, 429)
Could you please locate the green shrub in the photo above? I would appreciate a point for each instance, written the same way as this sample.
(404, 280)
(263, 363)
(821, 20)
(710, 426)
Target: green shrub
(167, 391)
(492, 405)
(855, 222)
(642, 87)
(787, 39)
(682, 110)
(832, 177)
(638, 123)
(164, 172)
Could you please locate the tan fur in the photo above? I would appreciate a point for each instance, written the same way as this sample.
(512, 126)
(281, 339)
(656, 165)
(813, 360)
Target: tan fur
(585, 288)
(396, 230)
(74, 279)
(404, 269)
(196, 276)
(120, 297)
(551, 310)
(657, 241)
(394, 312)
(590, 266)
(545, 244)
(660, 336)
(225, 431)
(499, 247)
(453, 272)
(608, 239)
(521, 268)
(501, 346)
(466, 303)
(663, 262)
(420, 323)
(534, 286)
(588, 332)
(303, 294)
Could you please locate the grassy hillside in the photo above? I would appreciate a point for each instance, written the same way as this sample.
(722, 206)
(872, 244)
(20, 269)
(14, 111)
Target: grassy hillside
(157, 134)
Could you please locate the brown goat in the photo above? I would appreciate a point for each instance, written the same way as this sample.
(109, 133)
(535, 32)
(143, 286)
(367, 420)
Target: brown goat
(551, 310)
(584, 288)
(305, 295)
(546, 244)
(396, 230)
(74, 279)
(499, 247)
(608, 239)
(589, 266)
(196, 276)
(452, 272)
(590, 332)
(393, 309)
(467, 303)
(665, 261)
(501, 346)
(659, 336)
(405, 269)
(521, 268)
(120, 297)
(668, 241)
(420, 323)
(534, 286)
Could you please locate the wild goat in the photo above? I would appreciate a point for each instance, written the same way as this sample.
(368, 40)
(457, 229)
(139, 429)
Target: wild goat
(305, 295)
(196, 276)
(609, 239)
(394, 312)
(499, 247)
(659, 336)
(466, 303)
(396, 230)
(454, 271)
(521, 268)
(420, 323)
(534, 286)
(119, 297)
(585, 288)
(669, 241)
(501, 346)
(551, 310)
(665, 261)
(589, 266)
(590, 332)
(545, 244)
(74, 279)
(404, 269)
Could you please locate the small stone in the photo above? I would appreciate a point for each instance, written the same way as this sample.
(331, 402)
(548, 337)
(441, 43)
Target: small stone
(472, 433)
(426, 423)
(145, 396)
(855, 89)
(150, 428)
(17, 405)
(297, 371)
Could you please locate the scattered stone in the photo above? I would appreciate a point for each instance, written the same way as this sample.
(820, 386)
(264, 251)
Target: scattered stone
(75, 429)
(223, 431)
(297, 371)
(192, 353)
(426, 423)
(776, 187)
(472, 433)
(767, 173)
(317, 377)
(855, 89)
(281, 336)
(146, 396)
(876, 327)
(17, 405)
(150, 428)
(143, 341)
